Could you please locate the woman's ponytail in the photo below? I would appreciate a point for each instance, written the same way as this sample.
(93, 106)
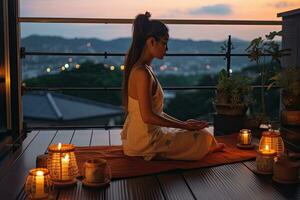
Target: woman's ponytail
(143, 28)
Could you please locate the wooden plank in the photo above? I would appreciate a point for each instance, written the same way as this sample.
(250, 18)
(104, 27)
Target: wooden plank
(13, 182)
(146, 188)
(63, 136)
(80, 192)
(82, 137)
(100, 137)
(13, 156)
(115, 136)
(24, 196)
(174, 186)
(290, 191)
(234, 181)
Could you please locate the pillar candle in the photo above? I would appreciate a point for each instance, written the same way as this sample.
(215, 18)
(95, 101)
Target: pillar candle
(39, 184)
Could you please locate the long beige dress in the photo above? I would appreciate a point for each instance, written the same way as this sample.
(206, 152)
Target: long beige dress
(149, 141)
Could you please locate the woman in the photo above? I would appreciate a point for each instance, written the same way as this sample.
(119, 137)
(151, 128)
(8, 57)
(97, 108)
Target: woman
(148, 131)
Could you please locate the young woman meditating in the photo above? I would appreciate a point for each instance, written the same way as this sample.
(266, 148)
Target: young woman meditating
(148, 131)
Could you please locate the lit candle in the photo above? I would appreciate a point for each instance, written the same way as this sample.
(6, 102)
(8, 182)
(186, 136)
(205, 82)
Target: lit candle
(245, 138)
(65, 167)
(267, 150)
(39, 184)
(59, 146)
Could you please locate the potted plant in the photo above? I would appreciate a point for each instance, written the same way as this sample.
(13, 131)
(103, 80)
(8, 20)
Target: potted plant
(289, 80)
(232, 94)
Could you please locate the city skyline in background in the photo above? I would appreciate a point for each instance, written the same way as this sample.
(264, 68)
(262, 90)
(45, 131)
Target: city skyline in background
(168, 9)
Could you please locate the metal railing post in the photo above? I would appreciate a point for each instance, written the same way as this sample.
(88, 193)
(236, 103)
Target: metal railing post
(228, 55)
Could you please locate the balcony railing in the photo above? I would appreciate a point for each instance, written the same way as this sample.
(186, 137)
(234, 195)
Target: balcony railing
(129, 21)
(227, 55)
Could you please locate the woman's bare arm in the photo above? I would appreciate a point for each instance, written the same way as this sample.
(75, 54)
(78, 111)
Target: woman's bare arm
(170, 117)
(143, 86)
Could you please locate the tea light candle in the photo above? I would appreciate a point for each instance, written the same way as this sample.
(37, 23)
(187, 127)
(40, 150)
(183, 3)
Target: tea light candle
(39, 184)
(245, 137)
(65, 167)
(267, 150)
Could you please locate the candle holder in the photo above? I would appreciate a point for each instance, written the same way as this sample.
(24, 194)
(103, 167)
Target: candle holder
(62, 164)
(245, 139)
(264, 162)
(273, 139)
(97, 173)
(38, 184)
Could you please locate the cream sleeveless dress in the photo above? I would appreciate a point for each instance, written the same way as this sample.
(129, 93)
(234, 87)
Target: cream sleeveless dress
(149, 141)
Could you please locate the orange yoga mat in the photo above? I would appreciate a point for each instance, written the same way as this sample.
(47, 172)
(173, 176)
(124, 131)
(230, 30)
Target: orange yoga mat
(123, 166)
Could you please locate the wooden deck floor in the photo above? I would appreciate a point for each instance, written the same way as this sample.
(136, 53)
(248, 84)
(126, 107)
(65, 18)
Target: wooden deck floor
(233, 181)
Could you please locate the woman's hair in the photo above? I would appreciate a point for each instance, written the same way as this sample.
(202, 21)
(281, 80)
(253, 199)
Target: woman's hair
(143, 28)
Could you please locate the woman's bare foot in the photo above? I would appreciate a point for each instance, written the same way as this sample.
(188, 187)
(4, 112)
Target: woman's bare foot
(219, 147)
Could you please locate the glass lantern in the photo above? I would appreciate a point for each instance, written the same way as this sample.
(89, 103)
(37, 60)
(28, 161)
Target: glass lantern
(62, 164)
(245, 137)
(271, 140)
(38, 184)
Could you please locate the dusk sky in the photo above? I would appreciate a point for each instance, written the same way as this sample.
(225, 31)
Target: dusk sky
(171, 9)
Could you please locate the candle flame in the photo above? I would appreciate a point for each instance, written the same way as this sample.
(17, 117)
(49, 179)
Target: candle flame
(59, 146)
(267, 147)
(39, 173)
(67, 157)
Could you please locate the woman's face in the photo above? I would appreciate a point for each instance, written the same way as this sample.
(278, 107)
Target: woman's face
(160, 47)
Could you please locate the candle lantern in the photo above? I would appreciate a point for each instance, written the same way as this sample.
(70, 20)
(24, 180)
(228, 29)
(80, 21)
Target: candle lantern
(62, 164)
(245, 139)
(265, 160)
(273, 140)
(38, 184)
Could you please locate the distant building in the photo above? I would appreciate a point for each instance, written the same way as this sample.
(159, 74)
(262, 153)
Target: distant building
(46, 109)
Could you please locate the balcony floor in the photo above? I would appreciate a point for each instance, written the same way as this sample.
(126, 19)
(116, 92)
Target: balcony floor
(232, 181)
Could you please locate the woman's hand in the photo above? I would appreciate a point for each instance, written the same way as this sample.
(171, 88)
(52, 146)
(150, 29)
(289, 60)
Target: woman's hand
(193, 124)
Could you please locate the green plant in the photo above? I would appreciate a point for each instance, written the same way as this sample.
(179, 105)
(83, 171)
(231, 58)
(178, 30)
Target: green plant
(289, 79)
(257, 49)
(234, 90)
